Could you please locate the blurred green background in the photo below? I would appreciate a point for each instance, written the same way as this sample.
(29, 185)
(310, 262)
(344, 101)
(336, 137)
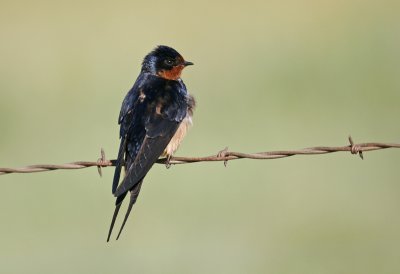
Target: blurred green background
(268, 75)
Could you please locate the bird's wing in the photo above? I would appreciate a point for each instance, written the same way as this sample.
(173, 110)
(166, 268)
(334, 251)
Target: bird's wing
(128, 126)
(159, 132)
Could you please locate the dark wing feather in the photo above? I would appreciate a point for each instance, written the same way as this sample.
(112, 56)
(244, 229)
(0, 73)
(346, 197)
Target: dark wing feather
(130, 107)
(119, 164)
(159, 134)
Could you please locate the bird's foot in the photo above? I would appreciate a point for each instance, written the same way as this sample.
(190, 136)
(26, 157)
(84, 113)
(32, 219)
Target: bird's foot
(168, 161)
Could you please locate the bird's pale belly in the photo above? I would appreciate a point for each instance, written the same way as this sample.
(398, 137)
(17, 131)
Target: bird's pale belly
(178, 137)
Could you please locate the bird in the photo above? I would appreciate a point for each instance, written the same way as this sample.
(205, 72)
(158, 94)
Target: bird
(154, 118)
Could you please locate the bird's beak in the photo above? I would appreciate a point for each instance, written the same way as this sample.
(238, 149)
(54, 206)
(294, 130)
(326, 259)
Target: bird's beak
(186, 63)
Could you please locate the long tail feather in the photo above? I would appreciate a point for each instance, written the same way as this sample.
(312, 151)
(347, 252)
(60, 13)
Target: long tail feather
(134, 195)
(118, 204)
(113, 221)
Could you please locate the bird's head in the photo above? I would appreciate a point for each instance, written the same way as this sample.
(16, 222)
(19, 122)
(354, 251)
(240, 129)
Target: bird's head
(165, 62)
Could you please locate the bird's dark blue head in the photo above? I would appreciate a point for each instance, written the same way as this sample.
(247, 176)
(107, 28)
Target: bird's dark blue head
(165, 62)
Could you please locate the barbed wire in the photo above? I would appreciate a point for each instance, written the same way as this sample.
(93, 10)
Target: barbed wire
(223, 155)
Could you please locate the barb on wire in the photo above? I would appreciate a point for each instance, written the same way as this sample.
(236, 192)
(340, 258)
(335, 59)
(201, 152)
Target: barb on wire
(224, 156)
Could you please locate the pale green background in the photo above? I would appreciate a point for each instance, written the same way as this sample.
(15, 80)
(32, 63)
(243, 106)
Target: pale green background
(268, 75)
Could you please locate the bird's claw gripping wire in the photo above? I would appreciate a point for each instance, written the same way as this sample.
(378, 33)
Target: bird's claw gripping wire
(168, 161)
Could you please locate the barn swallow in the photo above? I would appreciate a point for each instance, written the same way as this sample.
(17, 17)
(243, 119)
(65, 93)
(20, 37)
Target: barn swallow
(154, 118)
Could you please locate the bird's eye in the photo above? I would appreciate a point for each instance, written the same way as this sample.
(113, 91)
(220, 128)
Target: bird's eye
(169, 62)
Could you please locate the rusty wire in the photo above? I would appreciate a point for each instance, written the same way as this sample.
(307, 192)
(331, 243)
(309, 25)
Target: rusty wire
(223, 156)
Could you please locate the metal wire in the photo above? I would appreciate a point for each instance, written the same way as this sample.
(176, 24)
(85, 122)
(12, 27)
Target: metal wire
(223, 156)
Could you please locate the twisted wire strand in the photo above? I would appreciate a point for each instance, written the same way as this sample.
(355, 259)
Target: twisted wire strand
(223, 156)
